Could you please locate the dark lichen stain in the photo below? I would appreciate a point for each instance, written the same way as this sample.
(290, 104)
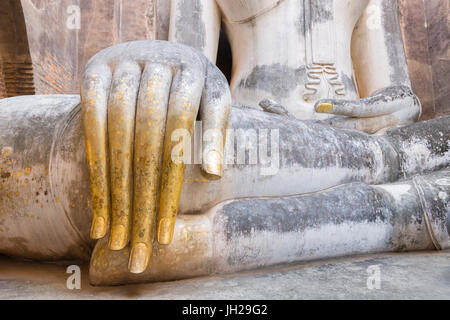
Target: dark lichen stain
(190, 29)
(276, 79)
(394, 43)
(322, 10)
(349, 83)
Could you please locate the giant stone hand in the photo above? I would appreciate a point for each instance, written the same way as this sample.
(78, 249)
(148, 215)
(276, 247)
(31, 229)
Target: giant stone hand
(135, 96)
(389, 107)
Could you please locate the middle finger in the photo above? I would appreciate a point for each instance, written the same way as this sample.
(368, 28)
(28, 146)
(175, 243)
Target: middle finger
(121, 118)
(149, 141)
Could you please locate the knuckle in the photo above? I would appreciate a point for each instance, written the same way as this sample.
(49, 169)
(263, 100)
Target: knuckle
(94, 71)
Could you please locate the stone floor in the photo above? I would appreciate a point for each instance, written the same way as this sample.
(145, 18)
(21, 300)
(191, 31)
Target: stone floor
(424, 275)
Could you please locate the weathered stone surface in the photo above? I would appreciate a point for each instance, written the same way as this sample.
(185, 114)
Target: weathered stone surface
(52, 152)
(426, 37)
(42, 52)
(53, 46)
(438, 22)
(105, 23)
(403, 276)
(15, 60)
(162, 10)
(326, 153)
(417, 23)
(58, 57)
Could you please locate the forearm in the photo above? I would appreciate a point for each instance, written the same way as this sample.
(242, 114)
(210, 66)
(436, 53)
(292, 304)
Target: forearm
(377, 49)
(307, 157)
(421, 147)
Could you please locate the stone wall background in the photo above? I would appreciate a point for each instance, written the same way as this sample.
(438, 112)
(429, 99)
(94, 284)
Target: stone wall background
(16, 70)
(58, 54)
(36, 32)
(425, 26)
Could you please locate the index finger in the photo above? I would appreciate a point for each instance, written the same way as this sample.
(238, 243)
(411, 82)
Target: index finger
(184, 102)
(94, 98)
(214, 111)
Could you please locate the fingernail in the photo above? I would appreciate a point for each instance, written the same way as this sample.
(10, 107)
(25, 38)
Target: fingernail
(165, 231)
(324, 107)
(98, 229)
(118, 238)
(214, 163)
(139, 258)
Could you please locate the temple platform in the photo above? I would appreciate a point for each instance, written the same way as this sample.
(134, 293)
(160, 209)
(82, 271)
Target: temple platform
(423, 275)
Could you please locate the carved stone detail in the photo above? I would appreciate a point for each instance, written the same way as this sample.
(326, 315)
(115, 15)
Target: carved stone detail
(320, 63)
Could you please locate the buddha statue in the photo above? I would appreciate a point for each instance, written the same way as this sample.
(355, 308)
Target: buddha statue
(311, 151)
